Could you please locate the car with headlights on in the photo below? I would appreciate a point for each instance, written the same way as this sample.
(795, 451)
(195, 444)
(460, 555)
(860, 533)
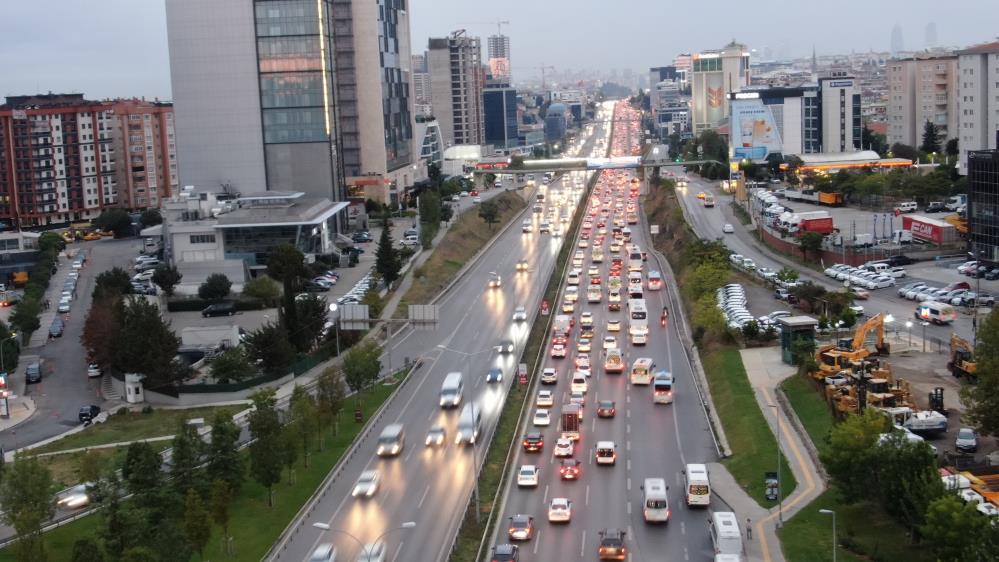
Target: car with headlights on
(366, 485)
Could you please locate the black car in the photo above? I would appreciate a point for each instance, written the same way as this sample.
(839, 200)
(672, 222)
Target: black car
(33, 373)
(313, 287)
(506, 553)
(88, 413)
(935, 207)
(899, 260)
(612, 545)
(993, 274)
(494, 375)
(361, 237)
(55, 330)
(227, 308)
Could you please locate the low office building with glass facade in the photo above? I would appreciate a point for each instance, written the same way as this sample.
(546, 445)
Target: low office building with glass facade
(983, 204)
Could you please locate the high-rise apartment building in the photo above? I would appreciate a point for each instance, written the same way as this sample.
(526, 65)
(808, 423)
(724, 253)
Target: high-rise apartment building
(683, 63)
(456, 87)
(498, 49)
(714, 75)
(977, 100)
(374, 93)
(255, 95)
(57, 159)
(499, 103)
(421, 86)
(146, 150)
(921, 90)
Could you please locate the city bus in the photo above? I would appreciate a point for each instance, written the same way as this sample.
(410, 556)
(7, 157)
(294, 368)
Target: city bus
(641, 371)
(698, 490)
(638, 321)
(662, 388)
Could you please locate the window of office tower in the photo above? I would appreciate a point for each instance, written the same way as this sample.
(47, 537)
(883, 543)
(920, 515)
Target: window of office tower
(395, 85)
(290, 59)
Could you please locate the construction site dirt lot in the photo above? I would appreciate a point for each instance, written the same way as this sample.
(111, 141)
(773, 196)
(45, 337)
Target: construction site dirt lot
(924, 372)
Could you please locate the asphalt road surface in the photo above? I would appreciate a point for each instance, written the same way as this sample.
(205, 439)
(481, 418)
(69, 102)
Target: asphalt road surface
(652, 441)
(431, 487)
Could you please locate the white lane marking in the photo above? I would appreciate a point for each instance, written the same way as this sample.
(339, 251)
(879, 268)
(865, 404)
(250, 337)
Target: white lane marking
(627, 398)
(537, 541)
(628, 507)
(423, 497)
(627, 428)
(593, 425)
(628, 413)
(683, 528)
(627, 445)
(433, 414)
(410, 454)
(544, 500)
(686, 555)
(397, 551)
(582, 545)
(629, 479)
(587, 502)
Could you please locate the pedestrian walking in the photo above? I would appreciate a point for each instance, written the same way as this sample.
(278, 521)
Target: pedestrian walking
(749, 529)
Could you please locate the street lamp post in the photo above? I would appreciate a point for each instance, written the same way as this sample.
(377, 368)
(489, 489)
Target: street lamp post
(3, 368)
(833, 513)
(908, 326)
(780, 488)
(325, 527)
(336, 327)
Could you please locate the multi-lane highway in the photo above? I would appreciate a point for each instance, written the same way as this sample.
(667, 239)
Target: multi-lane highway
(431, 486)
(707, 222)
(652, 440)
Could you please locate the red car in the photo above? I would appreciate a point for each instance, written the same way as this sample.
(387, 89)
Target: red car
(570, 469)
(606, 409)
(534, 442)
(473, 193)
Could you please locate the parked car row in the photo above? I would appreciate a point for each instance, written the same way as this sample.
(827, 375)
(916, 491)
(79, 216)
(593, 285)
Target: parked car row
(978, 271)
(741, 262)
(356, 294)
(958, 293)
(732, 302)
(862, 276)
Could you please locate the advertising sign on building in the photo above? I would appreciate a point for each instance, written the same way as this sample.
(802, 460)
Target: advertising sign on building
(753, 130)
(714, 91)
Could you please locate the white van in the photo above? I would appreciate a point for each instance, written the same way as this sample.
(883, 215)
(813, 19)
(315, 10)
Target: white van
(578, 382)
(451, 391)
(935, 312)
(469, 424)
(725, 535)
(698, 487)
(655, 505)
(606, 452)
(907, 207)
(391, 441)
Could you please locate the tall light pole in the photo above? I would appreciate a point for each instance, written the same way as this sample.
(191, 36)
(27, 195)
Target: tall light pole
(833, 513)
(908, 326)
(925, 324)
(336, 326)
(780, 488)
(3, 343)
(325, 527)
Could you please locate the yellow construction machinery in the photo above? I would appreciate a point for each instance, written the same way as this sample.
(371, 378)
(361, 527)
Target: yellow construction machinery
(960, 224)
(847, 353)
(962, 358)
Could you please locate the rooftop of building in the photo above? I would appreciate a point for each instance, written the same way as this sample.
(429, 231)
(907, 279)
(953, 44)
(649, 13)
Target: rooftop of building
(47, 101)
(928, 56)
(221, 210)
(982, 49)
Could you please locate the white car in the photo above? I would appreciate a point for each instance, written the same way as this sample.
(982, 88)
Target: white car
(520, 314)
(560, 510)
(610, 342)
(144, 276)
(614, 325)
(586, 317)
(527, 476)
(564, 448)
(367, 484)
(545, 399)
(727, 229)
(93, 370)
(583, 345)
(476, 199)
(542, 418)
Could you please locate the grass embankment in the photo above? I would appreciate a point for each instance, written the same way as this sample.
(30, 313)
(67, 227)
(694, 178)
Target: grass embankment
(865, 532)
(491, 476)
(254, 526)
(740, 212)
(753, 444)
(468, 235)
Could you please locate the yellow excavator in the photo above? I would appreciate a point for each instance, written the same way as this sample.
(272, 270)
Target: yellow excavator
(962, 358)
(849, 351)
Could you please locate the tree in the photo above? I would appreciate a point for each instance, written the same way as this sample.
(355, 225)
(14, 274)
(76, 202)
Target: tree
(387, 261)
(953, 528)
(430, 208)
(905, 478)
(981, 400)
(265, 462)
(303, 412)
(850, 457)
(311, 313)
(167, 277)
(26, 496)
(185, 458)
(931, 138)
(952, 148)
(434, 174)
(150, 217)
(361, 365)
(751, 330)
(873, 141)
(216, 287)
(900, 150)
(220, 501)
(489, 212)
(139, 554)
(100, 331)
(87, 550)
(25, 317)
(89, 466)
(288, 451)
(197, 523)
(268, 347)
(787, 274)
(115, 220)
(232, 365)
(223, 460)
(447, 212)
(51, 243)
(141, 470)
(118, 527)
(112, 283)
(810, 242)
(263, 288)
(330, 395)
(145, 344)
(287, 265)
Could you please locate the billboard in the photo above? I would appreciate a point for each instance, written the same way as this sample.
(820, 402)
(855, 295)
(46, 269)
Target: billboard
(714, 92)
(753, 132)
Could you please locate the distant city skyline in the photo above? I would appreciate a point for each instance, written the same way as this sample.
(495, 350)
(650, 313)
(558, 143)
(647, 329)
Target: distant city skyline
(120, 49)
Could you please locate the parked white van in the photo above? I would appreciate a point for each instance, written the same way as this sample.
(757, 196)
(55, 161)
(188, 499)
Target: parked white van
(935, 312)
(725, 535)
(907, 207)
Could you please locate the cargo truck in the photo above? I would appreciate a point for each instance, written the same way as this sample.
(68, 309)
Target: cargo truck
(822, 225)
(569, 422)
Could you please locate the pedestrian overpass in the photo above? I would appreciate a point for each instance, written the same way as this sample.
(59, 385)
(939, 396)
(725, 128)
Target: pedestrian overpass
(504, 165)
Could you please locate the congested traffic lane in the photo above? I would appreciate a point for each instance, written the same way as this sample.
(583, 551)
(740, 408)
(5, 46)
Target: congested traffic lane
(431, 486)
(648, 437)
(708, 222)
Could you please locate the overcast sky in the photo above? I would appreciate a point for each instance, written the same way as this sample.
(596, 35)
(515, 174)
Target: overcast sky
(117, 48)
